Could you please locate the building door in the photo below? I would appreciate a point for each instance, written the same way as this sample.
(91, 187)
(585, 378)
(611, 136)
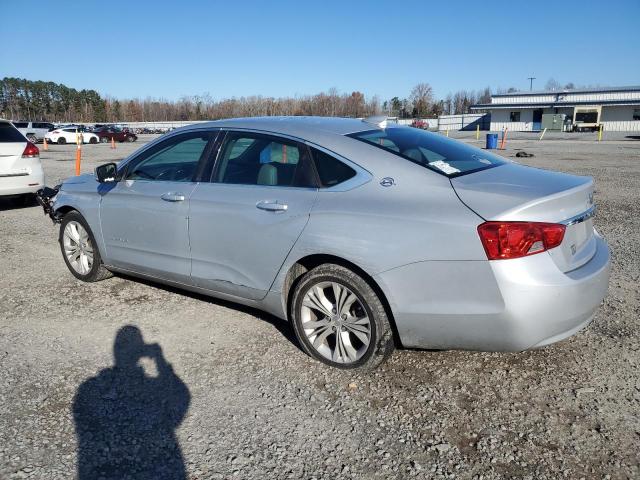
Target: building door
(537, 119)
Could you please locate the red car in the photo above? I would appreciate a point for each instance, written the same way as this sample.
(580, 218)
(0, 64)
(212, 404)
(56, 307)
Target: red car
(107, 133)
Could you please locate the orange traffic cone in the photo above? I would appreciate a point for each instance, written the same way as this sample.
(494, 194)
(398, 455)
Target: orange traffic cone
(44, 145)
(113, 143)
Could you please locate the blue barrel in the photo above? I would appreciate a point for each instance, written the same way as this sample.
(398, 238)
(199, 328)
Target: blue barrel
(492, 141)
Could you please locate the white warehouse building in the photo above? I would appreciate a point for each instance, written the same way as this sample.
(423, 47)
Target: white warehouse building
(613, 108)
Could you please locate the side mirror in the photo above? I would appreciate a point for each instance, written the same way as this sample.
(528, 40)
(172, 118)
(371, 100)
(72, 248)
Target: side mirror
(107, 173)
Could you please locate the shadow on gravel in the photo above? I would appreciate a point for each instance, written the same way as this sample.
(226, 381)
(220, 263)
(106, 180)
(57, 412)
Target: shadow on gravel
(282, 326)
(125, 420)
(17, 202)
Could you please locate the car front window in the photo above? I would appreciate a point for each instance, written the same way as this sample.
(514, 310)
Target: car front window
(175, 160)
(433, 151)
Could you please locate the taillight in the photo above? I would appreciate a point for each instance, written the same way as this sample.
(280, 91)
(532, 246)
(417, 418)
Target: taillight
(502, 240)
(30, 151)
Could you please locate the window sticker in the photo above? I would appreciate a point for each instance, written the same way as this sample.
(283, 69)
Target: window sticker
(444, 167)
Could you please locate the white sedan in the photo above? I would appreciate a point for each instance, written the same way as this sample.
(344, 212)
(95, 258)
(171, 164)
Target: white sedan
(20, 168)
(69, 135)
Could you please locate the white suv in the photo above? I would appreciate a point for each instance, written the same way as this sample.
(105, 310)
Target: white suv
(20, 168)
(34, 131)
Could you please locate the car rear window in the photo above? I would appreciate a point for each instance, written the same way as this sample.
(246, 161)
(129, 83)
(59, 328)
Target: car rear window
(8, 134)
(331, 170)
(433, 151)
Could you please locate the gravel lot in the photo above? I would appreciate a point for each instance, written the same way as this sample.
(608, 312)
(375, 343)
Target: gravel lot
(254, 406)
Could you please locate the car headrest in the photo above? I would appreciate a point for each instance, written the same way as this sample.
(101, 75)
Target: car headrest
(268, 175)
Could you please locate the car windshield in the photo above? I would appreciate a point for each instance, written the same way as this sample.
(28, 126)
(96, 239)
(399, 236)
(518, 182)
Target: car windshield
(443, 155)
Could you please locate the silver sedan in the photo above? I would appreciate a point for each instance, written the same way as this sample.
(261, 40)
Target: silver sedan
(364, 235)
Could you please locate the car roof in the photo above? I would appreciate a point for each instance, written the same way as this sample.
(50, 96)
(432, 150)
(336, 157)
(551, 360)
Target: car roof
(303, 127)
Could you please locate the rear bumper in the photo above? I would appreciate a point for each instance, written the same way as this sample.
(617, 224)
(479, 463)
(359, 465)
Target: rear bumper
(22, 184)
(504, 305)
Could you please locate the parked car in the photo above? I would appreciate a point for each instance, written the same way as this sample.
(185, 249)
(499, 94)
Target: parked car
(363, 235)
(34, 131)
(69, 135)
(20, 168)
(106, 134)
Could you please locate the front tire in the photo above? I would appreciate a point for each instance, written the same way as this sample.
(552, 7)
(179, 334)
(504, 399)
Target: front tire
(339, 319)
(32, 138)
(104, 140)
(61, 140)
(79, 249)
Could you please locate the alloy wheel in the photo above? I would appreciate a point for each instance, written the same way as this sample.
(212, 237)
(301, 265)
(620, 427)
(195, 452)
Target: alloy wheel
(78, 248)
(335, 322)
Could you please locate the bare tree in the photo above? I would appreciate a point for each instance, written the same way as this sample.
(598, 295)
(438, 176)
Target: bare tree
(485, 96)
(552, 84)
(421, 97)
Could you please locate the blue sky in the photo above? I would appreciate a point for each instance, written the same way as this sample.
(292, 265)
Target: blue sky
(169, 49)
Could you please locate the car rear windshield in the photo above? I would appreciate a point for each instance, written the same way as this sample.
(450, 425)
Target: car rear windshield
(8, 134)
(436, 152)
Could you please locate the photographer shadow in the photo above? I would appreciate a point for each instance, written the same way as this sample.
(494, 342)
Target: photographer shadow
(126, 420)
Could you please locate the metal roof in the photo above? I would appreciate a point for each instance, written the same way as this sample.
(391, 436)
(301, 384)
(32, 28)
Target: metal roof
(502, 106)
(573, 90)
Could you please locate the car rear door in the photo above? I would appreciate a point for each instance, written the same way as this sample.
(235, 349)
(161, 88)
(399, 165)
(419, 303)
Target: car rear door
(245, 221)
(144, 216)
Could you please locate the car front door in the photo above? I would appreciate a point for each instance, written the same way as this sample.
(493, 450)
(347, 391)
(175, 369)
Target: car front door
(144, 217)
(246, 220)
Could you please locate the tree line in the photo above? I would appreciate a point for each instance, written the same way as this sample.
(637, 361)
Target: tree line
(22, 99)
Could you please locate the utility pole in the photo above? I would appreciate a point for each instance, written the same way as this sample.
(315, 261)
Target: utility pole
(531, 79)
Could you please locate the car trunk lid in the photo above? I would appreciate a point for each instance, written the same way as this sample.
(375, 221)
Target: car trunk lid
(518, 193)
(11, 162)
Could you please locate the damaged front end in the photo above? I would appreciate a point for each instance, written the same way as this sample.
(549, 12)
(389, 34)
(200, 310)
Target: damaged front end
(45, 197)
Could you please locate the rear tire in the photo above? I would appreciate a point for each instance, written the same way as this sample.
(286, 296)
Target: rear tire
(104, 140)
(93, 140)
(79, 249)
(130, 138)
(339, 319)
(61, 140)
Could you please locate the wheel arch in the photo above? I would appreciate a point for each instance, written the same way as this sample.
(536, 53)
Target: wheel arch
(309, 262)
(63, 210)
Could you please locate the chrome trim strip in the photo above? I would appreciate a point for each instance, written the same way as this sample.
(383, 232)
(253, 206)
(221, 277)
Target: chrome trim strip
(581, 217)
(19, 174)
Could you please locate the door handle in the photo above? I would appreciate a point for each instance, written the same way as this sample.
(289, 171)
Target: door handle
(172, 197)
(272, 206)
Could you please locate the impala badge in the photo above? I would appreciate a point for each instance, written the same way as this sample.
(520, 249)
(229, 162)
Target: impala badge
(387, 182)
